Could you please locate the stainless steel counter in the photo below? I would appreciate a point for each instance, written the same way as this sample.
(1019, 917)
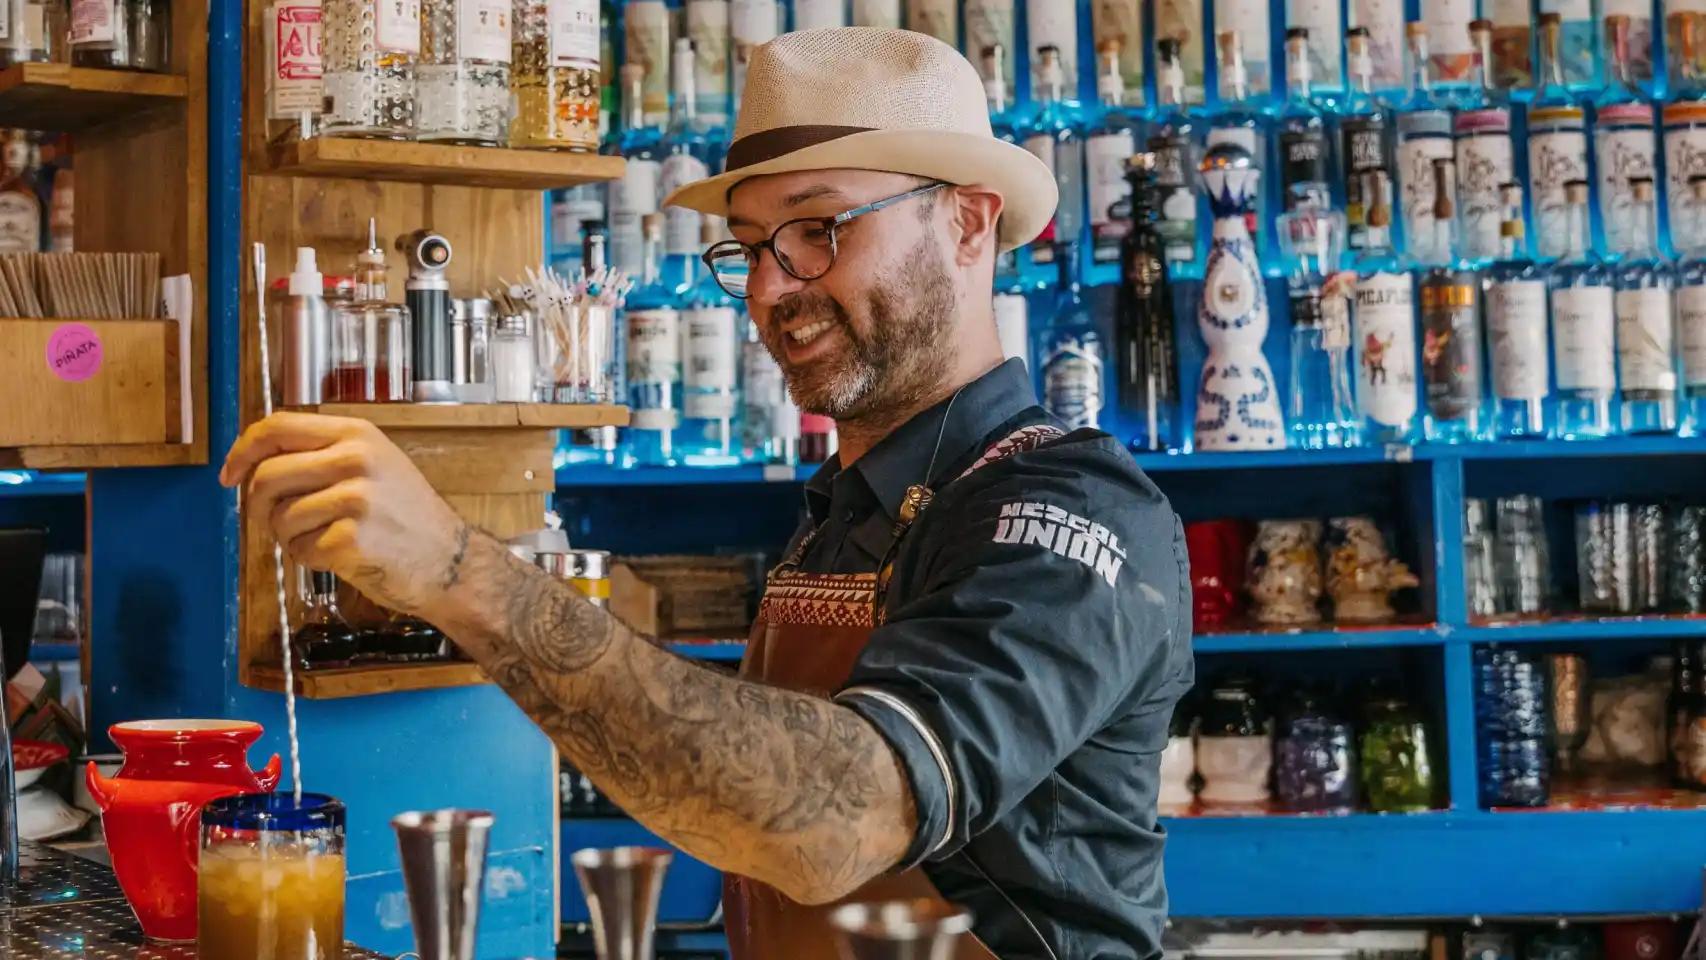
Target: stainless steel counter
(70, 908)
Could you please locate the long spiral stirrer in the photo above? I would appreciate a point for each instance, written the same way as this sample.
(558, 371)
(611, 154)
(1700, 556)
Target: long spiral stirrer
(278, 548)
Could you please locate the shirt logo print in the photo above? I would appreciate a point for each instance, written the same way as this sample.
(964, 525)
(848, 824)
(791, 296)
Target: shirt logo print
(1068, 534)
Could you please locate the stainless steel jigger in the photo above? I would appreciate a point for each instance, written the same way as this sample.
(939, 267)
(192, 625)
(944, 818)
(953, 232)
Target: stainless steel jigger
(444, 872)
(622, 886)
(900, 929)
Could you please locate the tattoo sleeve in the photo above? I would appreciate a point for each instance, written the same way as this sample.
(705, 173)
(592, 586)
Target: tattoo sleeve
(784, 787)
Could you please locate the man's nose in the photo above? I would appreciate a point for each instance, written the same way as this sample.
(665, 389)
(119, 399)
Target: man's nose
(768, 282)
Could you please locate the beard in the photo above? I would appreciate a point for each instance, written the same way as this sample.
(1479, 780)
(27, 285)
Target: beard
(894, 363)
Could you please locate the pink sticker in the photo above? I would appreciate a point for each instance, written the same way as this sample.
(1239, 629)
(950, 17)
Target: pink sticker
(74, 352)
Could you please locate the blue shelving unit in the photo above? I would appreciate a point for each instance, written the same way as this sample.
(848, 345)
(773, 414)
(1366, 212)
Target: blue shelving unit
(28, 483)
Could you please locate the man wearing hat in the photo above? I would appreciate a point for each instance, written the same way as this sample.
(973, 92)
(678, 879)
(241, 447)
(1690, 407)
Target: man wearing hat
(962, 676)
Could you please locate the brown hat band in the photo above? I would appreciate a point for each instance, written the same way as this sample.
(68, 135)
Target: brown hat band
(769, 144)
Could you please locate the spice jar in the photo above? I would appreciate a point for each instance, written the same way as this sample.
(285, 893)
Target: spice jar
(1313, 771)
(1397, 774)
(462, 80)
(556, 75)
(511, 358)
(368, 67)
(121, 34)
(589, 572)
(1235, 744)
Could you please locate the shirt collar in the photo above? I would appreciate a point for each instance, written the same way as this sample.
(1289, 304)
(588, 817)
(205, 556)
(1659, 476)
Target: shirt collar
(900, 459)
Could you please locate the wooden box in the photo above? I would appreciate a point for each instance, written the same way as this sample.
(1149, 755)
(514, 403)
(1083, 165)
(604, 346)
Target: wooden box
(681, 597)
(88, 382)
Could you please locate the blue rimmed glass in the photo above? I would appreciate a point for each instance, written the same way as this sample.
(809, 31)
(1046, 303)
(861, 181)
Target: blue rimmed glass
(271, 878)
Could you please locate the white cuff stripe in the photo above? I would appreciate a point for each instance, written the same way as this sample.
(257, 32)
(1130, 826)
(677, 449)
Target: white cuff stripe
(931, 742)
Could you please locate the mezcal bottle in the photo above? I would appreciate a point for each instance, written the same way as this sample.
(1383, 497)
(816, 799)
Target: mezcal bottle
(1303, 153)
(1516, 331)
(654, 357)
(1646, 336)
(1365, 144)
(1322, 412)
(1450, 293)
(1147, 384)
(1583, 328)
(1624, 142)
(1424, 138)
(1691, 314)
(1173, 142)
(1385, 326)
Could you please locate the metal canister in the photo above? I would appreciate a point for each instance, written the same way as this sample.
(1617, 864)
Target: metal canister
(555, 564)
(589, 571)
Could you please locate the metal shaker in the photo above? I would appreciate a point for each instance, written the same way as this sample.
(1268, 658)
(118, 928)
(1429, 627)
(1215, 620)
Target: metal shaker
(622, 887)
(444, 874)
(900, 929)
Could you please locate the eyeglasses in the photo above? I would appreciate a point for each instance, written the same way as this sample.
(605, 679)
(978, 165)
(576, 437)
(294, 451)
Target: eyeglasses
(805, 248)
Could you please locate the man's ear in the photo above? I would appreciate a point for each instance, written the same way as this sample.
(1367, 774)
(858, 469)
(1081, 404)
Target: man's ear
(977, 213)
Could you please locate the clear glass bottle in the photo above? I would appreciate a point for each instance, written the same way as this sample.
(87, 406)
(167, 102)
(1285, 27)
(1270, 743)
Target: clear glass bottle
(556, 75)
(1583, 329)
(1450, 295)
(1055, 137)
(1384, 21)
(1322, 411)
(1424, 137)
(819, 14)
(1147, 385)
(711, 347)
(1249, 22)
(1646, 335)
(121, 34)
(1071, 352)
(1451, 54)
(646, 41)
(1640, 16)
(686, 151)
(654, 357)
(1120, 22)
(1365, 137)
(770, 423)
(28, 24)
(1557, 143)
(708, 28)
(1683, 31)
(936, 18)
(1516, 332)
(988, 23)
(1483, 91)
(1513, 45)
(752, 23)
(1323, 23)
(1303, 152)
(1001, 124)
(1485, 162)
(1181, 22)
(291, 38)
(1240, 122)
(1174, 144)
(637, 193)
(462, 79)
(372, 348)
(1691, 315)
(1685, 158)
(370, 51)
(1113, 140)
(1578, 41)
(1385, 325)
(1624, 142)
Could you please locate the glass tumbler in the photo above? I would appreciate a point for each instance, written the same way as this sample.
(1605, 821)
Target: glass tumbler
(1605, 562)
(1480, 579)
(271, 880)
(1521, 556)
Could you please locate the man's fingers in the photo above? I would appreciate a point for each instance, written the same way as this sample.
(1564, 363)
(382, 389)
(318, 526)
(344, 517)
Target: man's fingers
(285, 433)
(295, 516)
(287, 475)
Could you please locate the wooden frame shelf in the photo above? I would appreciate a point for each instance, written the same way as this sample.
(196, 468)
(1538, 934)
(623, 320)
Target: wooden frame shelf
(427, 416)
(56, 96)
(439, 163)
(368, 680)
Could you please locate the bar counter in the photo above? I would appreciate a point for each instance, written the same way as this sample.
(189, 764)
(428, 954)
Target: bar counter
(65, 907)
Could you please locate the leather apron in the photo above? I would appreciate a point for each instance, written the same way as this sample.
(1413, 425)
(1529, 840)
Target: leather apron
(811, 629)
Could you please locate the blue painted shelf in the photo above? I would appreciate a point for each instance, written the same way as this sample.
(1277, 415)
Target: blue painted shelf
(1564, 630)
(1321, 639)
(31, 484)
(722, 651)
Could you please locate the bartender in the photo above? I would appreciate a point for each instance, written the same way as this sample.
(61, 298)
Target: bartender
(964, 668)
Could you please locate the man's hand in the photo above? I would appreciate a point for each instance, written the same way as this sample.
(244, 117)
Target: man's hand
(342, 497)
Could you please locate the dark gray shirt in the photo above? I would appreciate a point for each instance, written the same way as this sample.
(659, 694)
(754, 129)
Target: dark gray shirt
(1037, 638)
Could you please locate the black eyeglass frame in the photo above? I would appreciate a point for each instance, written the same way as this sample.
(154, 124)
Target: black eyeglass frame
(752, 251)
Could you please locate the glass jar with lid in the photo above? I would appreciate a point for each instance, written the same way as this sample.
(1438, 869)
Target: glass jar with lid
(1313, 768)
(462, 80)
(370, 354)
(121, 34)
(1235, 744)
(369, 53)
(556, 77)
(1396, 770)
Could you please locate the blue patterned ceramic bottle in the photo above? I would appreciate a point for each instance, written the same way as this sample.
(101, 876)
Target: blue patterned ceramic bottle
(1237, 405)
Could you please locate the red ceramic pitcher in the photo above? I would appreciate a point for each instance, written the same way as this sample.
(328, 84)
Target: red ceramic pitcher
(151, 810)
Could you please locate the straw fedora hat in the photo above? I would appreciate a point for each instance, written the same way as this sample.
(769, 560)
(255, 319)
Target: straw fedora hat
(872, 99)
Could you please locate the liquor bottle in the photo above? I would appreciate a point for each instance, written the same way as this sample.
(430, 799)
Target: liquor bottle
(1174, 145)
(1513, 45)
(770, 423)
(710, 332)
(1012, 324)
(1365, 131)
(1321, 413)
(1484, 93)
(1384, 21)
(1120, 22)
(1646, 335)
(1106, 150)
(636, 194)
(1147, 385)
(1691, 314)
(1557, 143)
(1583, 328)
(1385, 325)
(1624, 142)
(1450, 53)
(1685, 134)
(1303, 152)
(559, 76)
(1424, 138)
(1683, 30)
(686, 151)
(1181, 21)
(1323, 24)
(751, 23)
(1001, 115)
(1516, 332)
(369, 68)
(646, 42)
(1484, 164)
(1071, 351)
(708, 28)
(820, 14)
(877, 13)
(988, 23)
(1055, 138)
(21, 214)
(1050, 23)
(324, 639)
(1239, 123)
(654, 357)
(1247, 21)
(936, 18)
(462, 79)
(1640, 44)
(1578, 41)
(1450, 295)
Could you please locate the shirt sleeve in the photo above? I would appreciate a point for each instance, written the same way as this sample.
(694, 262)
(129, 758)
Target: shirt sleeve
(1055, 596)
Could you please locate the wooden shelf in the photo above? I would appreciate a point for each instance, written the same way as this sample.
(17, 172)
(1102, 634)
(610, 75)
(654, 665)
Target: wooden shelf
(367, 681)
(56, 96)
(464, 415)
(451, 165)
(103, 456)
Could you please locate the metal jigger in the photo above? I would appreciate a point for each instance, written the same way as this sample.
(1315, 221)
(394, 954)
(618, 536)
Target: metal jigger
(444, 872)
(622, 886)
(900, 929)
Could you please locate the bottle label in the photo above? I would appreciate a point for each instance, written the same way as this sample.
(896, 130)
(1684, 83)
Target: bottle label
(1249, 18)
(1685, 157)
(1553, 159)
(1326, 36)
(1105, 157)
(1385, 315)
(1644, 345)
(1121, 21)
(573, 29)
(1177, 226)
(1303, 157)
(987, 23)
(1365, 152)
(1691, 327)
(20, 222)
(296, 64)
(1621, 154)
(1516, 332)
(654, 354)
(681, 225)
(1449, 48)
(709, 374)
(1181, 20)
(1416, 156)
(1072, 381)
(397, 26)
(708, 26)
(1583, 338)
(1385, 22)
(1012, 326)
(1451, 344)
(818, 14)
(934, 18)
(1483, 165)
(93, 21)
(482, 30)
(879, 13)
(646, 33)
(1056, 23)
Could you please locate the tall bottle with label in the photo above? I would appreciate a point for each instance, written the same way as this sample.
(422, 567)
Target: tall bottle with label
(770, 423)
(1450, 52)
(1001, 111)
(637, 193)
(1424, 137)
(1323, 23)
(1557, 143)
(686, 151)
(1685, 158)
(1583, 329)
(821, 14)
(708, 28)
(710, 333)
(1147, 382)
(1624, 143)
(1174, 144)
(1516, 332)
(1484, 164)
(1051, 23)
(1321, 412)
(936, 18)
(1578, 41)
(1181, 22)
(1512, 66)
(988, 23)
(1683, 35)
(1240, 123)
(1450, 295)
(1646, 334)
(1639, 13)
(1365, 138)
(1303, 151)
(1071, 352)
(1248, 21)
(1106, 150)
(1384, 21)
(1384, 316)
(654, 357)
(1120, 22)
(751, 23)
(1691, 315)
(371, 48)
(1486, 92)
(1055, 137)
(646, 41)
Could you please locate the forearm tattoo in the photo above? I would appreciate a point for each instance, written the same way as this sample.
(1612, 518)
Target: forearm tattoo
(785, 787)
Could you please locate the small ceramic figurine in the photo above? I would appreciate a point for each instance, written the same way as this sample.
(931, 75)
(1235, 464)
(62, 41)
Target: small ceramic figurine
(1361, 574)
(1285, 572)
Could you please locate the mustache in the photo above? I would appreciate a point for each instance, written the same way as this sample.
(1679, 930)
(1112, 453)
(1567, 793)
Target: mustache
(808, 305)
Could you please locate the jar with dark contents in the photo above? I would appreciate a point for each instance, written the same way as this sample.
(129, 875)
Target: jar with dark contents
(1687, 712)
(1235, 744)
(1396, 771)
(1314, 770)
